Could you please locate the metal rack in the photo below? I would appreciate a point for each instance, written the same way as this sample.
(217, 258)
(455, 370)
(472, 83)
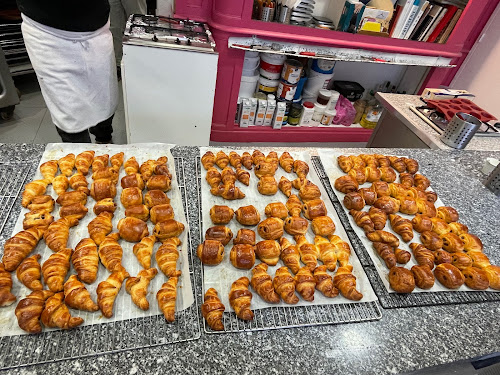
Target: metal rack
(24, 350)
(395, 300)
(12, 178)
(290, 316)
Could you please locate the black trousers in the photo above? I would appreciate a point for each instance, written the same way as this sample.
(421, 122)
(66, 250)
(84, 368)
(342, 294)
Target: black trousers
(103, 132)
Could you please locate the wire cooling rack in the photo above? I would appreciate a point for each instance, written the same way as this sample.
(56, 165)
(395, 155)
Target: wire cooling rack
(24, 350)
(394, 300)
(290, 316)
(12, 178)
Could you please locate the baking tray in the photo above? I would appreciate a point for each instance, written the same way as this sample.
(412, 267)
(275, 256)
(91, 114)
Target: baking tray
(104, 338)
(394, 300)
(12, 180)
(279, 317)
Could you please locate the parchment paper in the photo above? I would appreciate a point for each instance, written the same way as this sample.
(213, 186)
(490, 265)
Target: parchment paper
(223, 275)
(329, 160)
(123, 308)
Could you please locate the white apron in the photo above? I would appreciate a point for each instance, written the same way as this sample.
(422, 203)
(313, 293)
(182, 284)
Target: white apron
(76, 72)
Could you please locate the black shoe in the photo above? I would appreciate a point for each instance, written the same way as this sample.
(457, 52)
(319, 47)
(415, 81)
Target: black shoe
(119, 73)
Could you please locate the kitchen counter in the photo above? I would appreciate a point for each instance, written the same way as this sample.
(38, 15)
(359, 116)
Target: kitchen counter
(403, 340)
(398, 110)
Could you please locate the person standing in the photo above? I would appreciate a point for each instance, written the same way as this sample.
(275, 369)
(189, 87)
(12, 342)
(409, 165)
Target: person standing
(71, 50)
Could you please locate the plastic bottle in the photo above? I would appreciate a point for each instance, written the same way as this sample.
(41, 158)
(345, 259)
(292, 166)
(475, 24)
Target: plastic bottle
(328, 117)
(319, 110)
(372, 113)
(307, 114)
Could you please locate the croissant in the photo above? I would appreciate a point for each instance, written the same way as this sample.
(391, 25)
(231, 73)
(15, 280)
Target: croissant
(458, 228)
(33, 189)
(423, 276)
(221, 214)
(77, 296)
(354, 201)
(105, 205)
(387, 204)
(382, 160)
(285, 186)
(55, 268)
(342, 249)
(402, 256)
(380, 188)
(421, 182)
(416, 194)
(271, 228)
(167, 255)
(137, 287)
(147, 169)
(106, 173)
(243, 176)
(327, 253)
(131, 166)
(289, 255)
(284, 285)
(452, 243)
(111, 253)
(387, 174)
(442, 256)
(75, 211)
(369, 159)
(406, 180)
(38, 217)
(66, 164)
(431, 196)
(372, 174)
(221, 159)
(300, 168)
(102, 188)
(6, 297)
(411, 165)
(276, 209)
(107, 291)
(423, 255)
(296, 225)
(397, 163)
(431, 240)
(100, 162)
(166, 229)
(244, 237)
(29, 273)
(268, 251)
(240, 298)
(208, 160)
(305, 284)
(29, 310)
(362, 220)
(401, 280)
(460, 260)
(133, 230)
(267, 185)
(369, 196)
(294, 205)
(262, 283)
(324, 282)
(493, 274)
(422, 223)
(322, 226)
(242, 256)
(42, 203)
(346, 184)
(166, 298)
(49, 170)
(132, 180)
(383, 236)
(309, 252)
(449, 275)
(386, 253)
(439, 226)
(479, 260)
(247, 215)
(398, 191)
(345, 282)
(408, 206)
(85, 260)
(159, 182)
(57, 234)
(212, 310)
(448, 214)
(155, 198)
(378, 217)
(56, 314)
(72, 197)
(314, 208)
(210, 252)
(471, 242)
(309, 191)
(117, 161)
(228, 191)
(272, 158)
(402, 226)
(345, 163)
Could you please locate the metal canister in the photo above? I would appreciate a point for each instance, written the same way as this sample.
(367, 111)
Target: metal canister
(460, 130)
(291, 71)
(493, 181)
(294, 114)
(286, 90)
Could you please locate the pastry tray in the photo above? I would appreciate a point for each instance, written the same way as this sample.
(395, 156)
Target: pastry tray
(136, 333)
(290, 316)
(394, 300)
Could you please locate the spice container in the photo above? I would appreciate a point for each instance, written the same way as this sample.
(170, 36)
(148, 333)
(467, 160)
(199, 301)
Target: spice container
(294, 114)
(332, 102)
(324, 97)
(328, 117)
(307, 114)
(286, 90)
(319, 110)
(291, 72)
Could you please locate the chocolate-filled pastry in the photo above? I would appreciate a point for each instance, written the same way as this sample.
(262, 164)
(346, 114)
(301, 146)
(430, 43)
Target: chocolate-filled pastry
(242, 256)
(219, 233)
(314, 208)
(155, 197)
(397, 163)
(309, 191)
(305, 284)
(449, 275)
(476, 278)
(421, 223)
(221, 159)
(213, 177)
(322, 226)
(105, 205)
(276, 209)
(131, 166)
(271, 228)
(106, 173)
(422, 255)
(381, 188)
(448, 214)
(479, 260)
(42, 202)
(264, 169)
(246, 160)
(286, 162)
(411, 165)
(245, 237)
(452, 243)
(210, 252)
(406, 180)
(285, 186)
(38, 217)
(402, 256)
(471, 242)
(401, 280)
(76, 210)
(228, 175)
(346, 184)
(235, 159)
(258, 157)
(208, 160)
(426, 208)
(300, 168)
(354, 201)
(243, 176)
(408, 206)
(221, 214)
(131, 197)
(362, 220)
(442, 256)
(382, 160)
(431, 240)
(268, 251)
(228, 191)
(294, 205)
(439, 226)
(383, 236)
(163, 169)
(284, 285)
(386, 253)
(167, 229)
(359, 175)
(458, 228)
(132, 229)
(378, 217)
(159, 182)
(345, 163)
(72, 197)
(387, 204)
(402, 226)
(295, 225)
(372, 174)
(103, 188)
(247, 215)
(132, 180)
(421, 182)
(368, 195)
(267, 185)
(493, 274)
(431, 196)
(424, 279)
(161, 212)
(461, 260)
(387, 174)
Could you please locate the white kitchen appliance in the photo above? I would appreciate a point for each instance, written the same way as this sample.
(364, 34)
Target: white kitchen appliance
(169, 69)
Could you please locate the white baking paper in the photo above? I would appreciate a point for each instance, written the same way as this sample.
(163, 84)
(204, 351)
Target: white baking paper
(223, 275)
(329, 160)
(123, 308)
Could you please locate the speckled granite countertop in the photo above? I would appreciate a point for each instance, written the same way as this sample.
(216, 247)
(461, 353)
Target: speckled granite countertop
(398, 105)
(404, 340)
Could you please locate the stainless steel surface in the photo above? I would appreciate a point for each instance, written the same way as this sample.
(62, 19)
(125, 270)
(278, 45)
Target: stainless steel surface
(8, 92)
(460, 130)
(493, 181)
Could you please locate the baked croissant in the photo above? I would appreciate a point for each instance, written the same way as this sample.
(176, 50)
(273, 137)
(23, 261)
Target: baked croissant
(397, 163)
(369, 160)
(85, 260)
(383, 236)
(57, 234)
(272, 158)
(276, 209)
(242, 256)
(448, 214)
(422, 223)
(345, 282)
(458, 228)
(6, 297)
(132, 180)
(221, 159)
(29, 273)
(42, 203)
(76, 211)
(133, 230)
(296, 225)
(159, 182)
(284, 285)
(37, 218)
(286, 161)
(290, 255)
(210, 252)
(137, 287)
(107, 291)
(431, 196)
(264, 168)
(452, 243)
(208, 160)
(402, 226)
(29, 310)
(342, 249)
(212, 310)
(56, 314)
(372, 173)
(387, 174)
(439, 226)
(155, 198)
(476, 278)
(449, 275)
(105, 205)
(406, 180)
(247, 215)
(322, 226)
(143, 251)
(300, 168)
(324, 282)
(358, 174)
(309, 191)
(221, 214)
(167, 229)
(100, 227)
(345, 163)
(309, 252)
(106, 173)
(240, 298)
(479, 260)
(423, 255)
(471, 242)
(327, 252)
(66, 164)
(285, 186)
(33, 189)
(246, 160)
(244, 237)
(401, 280)
(378, 217)
(228, 192)
(442, 256)
(421, 182)
(369, 196)
(267, 185)
(387, 204)
(381, 188)
(111, 253)
(49, 170)
(268, 251)
(100, 162)
(102, 188)
(354, 201)
(423, 276)
(147, 169)
(117, 161)
(382, 160)
(402, 256)
(314, 208)
(294, 205)
(243, 176)
(431, 240)
(262, 283)
(362, 220)
(166, 298)
(346, 184)
(77, 296)
(408, 206)
(55, 268)
(167, 255)
(493, 274)
(258, 157)
(411, 165)
(235, 159)
(305, 283)
(398, 191)
(386, 253)
(271, 228)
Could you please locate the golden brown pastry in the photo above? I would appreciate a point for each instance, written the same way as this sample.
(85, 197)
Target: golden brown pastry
(167, 229)
(20, 245)
(322, 226)
(6, 297)
(117, 161)
(422, 223)
(289, 255)
(439, 226)
(369, 160)
(56, 314)
(66, 164)
(276, 209)
(408, 206)
(147, 169)
(268, 251)
(29, 310)
(452, 243)
(378, 217)
(267, 185)
(342, 249)
(345, 282)
(300, 168)
(458, 228)
(42, 203)
(102, 188)
(294, 205)
(137, 287)
(402, 226)
(406, 180)
(346, 184)
(100, 162)
(57, 234)
(271, 228)
(362, 220)
(397, 163)
(471, 242)
(372, 173)
(402, 256)
(358, 174)
(425, 207)
(33, 189)
(299, 182)
(398, 191)
(431, 196)
(38, 217)
(387, 174)
(324, 282)
(295, 225)
(442, 256)
(431, 240)
(368, 195)
(246, 160)
(284, 285)
(161, 212)
(411, 165)
(75, 211)
(208, 160)
(219, 233)
(166, 298)
(401, 280)
(240, 298)
(476, 278)
(107, 291)
(305, 284)
(309, 253)
(79, 182)
(448, 214)
(386, 253)
(383, 236)
(272, 158)
(357, 161)
(29, 273)
(212, 310)
(262, 283)
(228, 192)
(354, 201)
(133, 230)
(221, 214)
(382, 160)
(159, 182)
(327, 252)
(210, 252)
(314, 208)
(242, 256)
(345, 163)
(309, 191)
(461, 260)
(449, 275)
(85, 260)
(55, 268)
(243, 176)
(131, 197)
(234, 159)
(479, 260)
(154, 198)
(247, 215)
(245, 237)
(131, 166)
(221, 159)
(49, 170)
(493, 274)
(421, 182)
(387, 204)
(77, 296)
(140, 212)
(424, 279)
(162, 167)
(143, 251)
(264, 168)
(423, 255)
(132, 180)
(107, 173)
(105, 205)
(286, 161)
(111, 253)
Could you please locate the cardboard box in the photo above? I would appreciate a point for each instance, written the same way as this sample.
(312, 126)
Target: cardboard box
(351, 17)
(441, 94)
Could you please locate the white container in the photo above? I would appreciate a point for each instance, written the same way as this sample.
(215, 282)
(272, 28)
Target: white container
(307, 115)
(328, 117)
(271, 106)
(261, 112)
(268, 86)
(252, 54)
(269, 75)
(279, 114)
(245, 113)
(253, 111)
(332, 103)
(251, 62)
(273, 58)
(248, 86)
(314, 84)
(248, 72)
(319, 110)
